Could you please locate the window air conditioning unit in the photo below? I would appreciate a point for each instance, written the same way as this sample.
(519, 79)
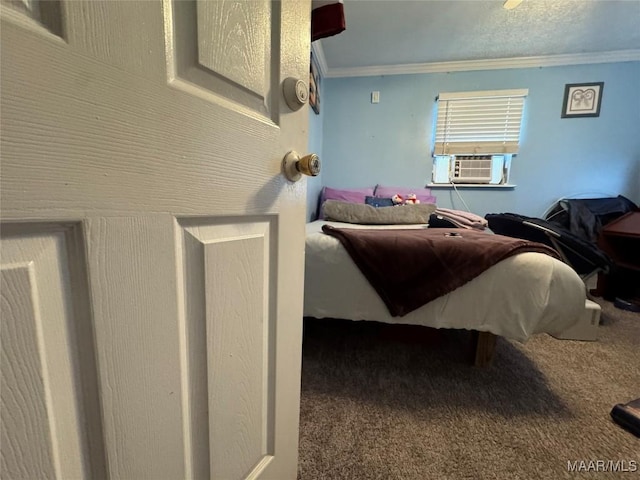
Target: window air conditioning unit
(470, 168)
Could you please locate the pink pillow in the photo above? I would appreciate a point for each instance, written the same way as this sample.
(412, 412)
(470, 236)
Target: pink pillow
(422, 194)
(351, 195)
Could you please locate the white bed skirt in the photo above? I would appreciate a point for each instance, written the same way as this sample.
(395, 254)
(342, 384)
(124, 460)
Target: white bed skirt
(522, 295)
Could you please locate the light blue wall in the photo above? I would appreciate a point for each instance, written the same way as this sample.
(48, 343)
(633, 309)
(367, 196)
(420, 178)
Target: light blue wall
(390, 142)
(314, 184)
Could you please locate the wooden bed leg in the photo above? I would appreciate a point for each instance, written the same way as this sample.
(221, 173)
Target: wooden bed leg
(484, 346)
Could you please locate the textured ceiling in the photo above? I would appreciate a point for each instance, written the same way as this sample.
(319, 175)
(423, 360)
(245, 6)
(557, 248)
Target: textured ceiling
(392, 32)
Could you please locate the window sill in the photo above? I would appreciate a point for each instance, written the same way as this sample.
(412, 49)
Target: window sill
(471, 185)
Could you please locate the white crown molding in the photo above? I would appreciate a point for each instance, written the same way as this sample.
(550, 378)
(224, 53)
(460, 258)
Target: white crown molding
(496, 64)
(318, 52)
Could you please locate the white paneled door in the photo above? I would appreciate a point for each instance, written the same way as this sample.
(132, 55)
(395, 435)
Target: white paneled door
(152, 252)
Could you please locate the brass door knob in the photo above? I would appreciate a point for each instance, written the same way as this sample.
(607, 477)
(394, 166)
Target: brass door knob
(294, 167)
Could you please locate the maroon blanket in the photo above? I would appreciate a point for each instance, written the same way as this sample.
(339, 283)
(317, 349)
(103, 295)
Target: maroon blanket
(409, 268)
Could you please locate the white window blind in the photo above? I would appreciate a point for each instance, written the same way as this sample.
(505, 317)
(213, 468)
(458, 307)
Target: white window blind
(486, 122)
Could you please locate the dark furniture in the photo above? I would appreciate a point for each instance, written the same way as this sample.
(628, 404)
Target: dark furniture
(620, 240)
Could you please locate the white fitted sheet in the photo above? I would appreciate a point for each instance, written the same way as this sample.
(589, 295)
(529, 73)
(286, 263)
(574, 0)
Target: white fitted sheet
(522, 295)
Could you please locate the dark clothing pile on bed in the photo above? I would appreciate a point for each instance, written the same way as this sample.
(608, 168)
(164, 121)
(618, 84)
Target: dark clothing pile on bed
(410, 267)
(573, 226)
(586, 217)
(583, 256)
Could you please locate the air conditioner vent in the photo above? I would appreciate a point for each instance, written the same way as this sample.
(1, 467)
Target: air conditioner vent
(471, 169)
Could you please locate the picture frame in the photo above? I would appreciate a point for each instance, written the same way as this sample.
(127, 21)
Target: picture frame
(582, 99)
(314, 85)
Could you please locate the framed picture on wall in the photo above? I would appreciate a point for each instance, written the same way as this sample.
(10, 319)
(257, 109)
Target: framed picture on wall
(582, 99)
(314, 86)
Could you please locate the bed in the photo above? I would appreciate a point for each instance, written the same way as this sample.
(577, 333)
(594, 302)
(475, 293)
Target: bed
(520, 296)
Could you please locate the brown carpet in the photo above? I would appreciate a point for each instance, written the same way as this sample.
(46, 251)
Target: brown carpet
(396, 402)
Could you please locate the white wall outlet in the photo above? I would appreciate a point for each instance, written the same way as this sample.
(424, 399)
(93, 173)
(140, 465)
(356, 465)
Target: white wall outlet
(375, 97)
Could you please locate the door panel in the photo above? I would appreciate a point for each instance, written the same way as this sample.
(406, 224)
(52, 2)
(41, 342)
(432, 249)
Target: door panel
(229, 306)
(233, 41)
(26, 427)
(45, 14)
(48, 392)
(146, 160)
(226, 49)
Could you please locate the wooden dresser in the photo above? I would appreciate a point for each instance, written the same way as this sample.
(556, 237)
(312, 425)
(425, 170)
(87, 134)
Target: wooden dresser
(620, 240)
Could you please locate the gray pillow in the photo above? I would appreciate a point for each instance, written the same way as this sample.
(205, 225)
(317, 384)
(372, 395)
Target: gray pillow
(368, 215)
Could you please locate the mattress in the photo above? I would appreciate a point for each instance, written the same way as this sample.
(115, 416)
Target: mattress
(520, 296)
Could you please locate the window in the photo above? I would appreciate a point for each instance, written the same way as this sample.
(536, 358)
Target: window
(476, 134)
